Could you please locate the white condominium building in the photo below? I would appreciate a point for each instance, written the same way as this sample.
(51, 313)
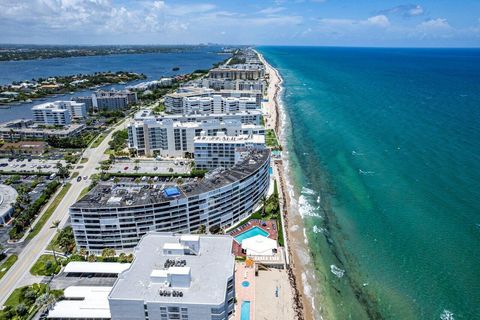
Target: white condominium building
(177, 277)
(108, 100)
(189, 100)
(221, 151)
(245, 117)
(227, 84)
(117, 215)
(169, 138)
(218, 104)
(238, 71)
(58, 113)
(174, 101)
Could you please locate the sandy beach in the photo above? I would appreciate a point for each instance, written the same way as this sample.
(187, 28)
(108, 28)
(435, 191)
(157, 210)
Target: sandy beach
(296, 247)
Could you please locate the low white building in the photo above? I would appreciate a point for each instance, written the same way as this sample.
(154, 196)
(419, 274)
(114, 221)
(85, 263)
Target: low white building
(82, 303)
(8, 197)
(177, 277)
(96, 268)
(259, 246)
(211, 152)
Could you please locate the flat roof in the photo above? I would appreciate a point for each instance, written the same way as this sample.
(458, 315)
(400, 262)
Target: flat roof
(255, 138)
(145, 194)
(95, 267)
(8, 196)
(209, 271)
(93, 304)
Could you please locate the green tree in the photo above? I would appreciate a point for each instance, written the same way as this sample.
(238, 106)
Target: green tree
(108, 254)
(202, 229)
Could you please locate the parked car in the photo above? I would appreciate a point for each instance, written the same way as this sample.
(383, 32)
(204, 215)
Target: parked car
(126, 168)
(79, 179)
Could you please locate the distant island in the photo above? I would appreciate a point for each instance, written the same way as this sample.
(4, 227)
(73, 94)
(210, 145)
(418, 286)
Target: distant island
(42, 87)
(31, 52)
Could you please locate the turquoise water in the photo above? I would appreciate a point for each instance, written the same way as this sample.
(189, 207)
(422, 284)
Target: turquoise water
(384, 153)
(245, 284)
(255, 231)
(245, 312)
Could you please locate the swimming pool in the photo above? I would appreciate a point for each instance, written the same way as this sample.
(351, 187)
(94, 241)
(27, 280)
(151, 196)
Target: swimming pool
(245, 313)
(245, 284)
(255, 231)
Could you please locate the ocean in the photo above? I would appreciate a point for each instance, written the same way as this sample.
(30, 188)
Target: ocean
(153, 65)
(384, 155)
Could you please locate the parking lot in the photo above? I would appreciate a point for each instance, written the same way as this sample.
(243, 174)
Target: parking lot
(29, 165)
(151, 166)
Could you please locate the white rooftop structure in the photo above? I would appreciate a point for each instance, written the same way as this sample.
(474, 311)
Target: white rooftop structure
(82, 303)
(177, 275)
(259, 246)
(96, 267)
(8, 196)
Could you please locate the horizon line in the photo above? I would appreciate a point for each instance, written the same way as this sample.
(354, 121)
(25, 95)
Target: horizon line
(244, 45)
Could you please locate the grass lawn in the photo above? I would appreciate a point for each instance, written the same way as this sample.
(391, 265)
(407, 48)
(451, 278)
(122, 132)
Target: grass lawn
(7, 264)
(40, 266)
(84, 160)
(99, 140)
(52, 246)
(83, 192)
(74, 175)
(43, 219)
(271, 139)
(15, 298)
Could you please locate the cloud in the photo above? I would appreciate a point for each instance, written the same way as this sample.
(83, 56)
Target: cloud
(405, 10)
(380, 21)
(375, 21)
(438, 23)
(271, 10)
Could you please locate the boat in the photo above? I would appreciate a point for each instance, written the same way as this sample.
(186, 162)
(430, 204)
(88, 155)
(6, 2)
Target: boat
(175, 68)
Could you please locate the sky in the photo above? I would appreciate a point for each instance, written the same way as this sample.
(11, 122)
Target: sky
(384, 23)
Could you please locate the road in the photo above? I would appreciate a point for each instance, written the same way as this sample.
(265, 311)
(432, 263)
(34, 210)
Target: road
(34, 248)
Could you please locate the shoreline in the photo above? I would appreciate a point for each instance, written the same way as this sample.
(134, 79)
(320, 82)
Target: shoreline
(295, 239)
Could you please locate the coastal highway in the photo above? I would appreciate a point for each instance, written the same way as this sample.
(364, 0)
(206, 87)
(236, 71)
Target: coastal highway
(35, 247)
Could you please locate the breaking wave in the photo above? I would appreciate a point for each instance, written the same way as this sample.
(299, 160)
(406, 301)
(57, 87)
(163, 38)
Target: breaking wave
(337, 271)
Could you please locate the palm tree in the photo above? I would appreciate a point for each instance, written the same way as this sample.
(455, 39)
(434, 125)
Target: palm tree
(55, 225)
(264, 205)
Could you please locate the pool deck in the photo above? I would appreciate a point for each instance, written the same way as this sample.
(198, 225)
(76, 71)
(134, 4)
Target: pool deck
(270, 227)
(244, 273)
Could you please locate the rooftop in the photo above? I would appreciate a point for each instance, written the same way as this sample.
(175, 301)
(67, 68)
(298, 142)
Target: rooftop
(255, 138)
(84, 303)
(8, 196)
(146, 278)
(109, 195)
(145, 114)
(95, 267)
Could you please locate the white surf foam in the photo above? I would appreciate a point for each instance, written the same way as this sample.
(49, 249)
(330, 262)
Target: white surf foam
(316, 229)
(366, 173)
(307, 191)
(337, 271)
(306, 209)
(447, 315)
